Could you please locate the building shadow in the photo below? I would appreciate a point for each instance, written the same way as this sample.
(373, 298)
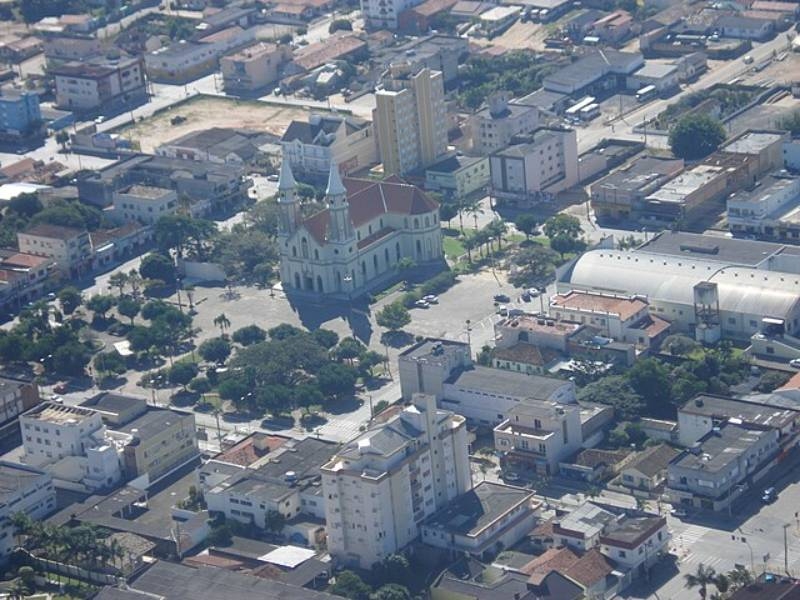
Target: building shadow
(314, 314)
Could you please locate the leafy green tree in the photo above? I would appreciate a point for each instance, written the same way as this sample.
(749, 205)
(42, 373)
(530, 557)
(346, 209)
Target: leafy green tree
(336, 380)
(393, 316)
(340, 25)
(391, 591)
(447, 212)
(201, 385)
(128, 307)
(679, 345)
(62, 139)
(182, 373)
(109, 362)
(651, 380)
(180, 232)
(771, 380)
(26, 205)
(325, 338)
(249, 334)
(215, 350)
(349, 585)
(158, 267)
(349, 349)
(100, 304)
(284, 331)
(527, 224)
(534, 266)
(119, 280)
(562, 225)
(564, 244)
(233, 388)
(695, 136)
(615, 391)
(71, 358)
(70, 298)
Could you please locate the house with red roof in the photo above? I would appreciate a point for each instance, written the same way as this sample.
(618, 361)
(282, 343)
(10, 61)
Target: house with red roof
(353, 245)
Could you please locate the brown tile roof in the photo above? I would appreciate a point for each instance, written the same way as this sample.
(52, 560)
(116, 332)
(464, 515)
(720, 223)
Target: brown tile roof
(589, 568)
(24, 260)
(624, 307)
(19, 168)
(53, 231)
(335, 47)
(432, 7)
(594, 457)
(246, 452)
(368, 200)
(793, 383)
(654, 326)
(554, 559)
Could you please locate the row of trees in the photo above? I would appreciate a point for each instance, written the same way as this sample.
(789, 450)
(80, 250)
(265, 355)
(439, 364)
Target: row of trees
(726, 584)
(389, 579)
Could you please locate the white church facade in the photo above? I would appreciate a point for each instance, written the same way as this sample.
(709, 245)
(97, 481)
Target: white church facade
(353, 246)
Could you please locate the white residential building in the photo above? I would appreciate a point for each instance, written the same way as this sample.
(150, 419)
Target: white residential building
(539, 435)
(70, 248)
(99, 85)
(411, 119)
(494, 126)
(26, 490)
(771, 209)
(542, 164)
(144, 204)
(253, 67)
(71, 443)
(354, 245)
(382, 485)
(312, 146)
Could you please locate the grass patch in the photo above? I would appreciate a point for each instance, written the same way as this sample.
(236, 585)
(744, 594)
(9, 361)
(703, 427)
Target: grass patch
(390, 290)
(453, 248)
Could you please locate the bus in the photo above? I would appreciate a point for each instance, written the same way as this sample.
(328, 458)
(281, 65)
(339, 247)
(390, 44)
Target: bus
(646, 93)
(590, 112)
(574, 110)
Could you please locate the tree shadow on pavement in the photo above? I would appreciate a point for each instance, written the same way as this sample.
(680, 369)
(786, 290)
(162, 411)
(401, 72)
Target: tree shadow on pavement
(313, 315)
(342, 406)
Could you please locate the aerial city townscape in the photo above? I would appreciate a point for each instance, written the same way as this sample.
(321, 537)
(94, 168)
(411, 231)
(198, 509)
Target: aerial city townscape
(400, 299)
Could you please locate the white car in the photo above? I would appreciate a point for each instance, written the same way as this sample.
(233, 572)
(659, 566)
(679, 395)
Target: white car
(422, 304)
(431, 299)
(99, 120)
(502, 310)
(795, 362)
(533, 292)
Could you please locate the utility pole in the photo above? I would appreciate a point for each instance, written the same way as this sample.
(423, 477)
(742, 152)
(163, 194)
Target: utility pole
(786, 548)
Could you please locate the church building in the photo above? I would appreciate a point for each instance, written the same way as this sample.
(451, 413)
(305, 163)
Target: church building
(352, 247)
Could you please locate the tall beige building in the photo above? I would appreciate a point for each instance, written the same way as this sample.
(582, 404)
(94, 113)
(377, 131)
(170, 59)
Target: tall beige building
(381, 486)
(411, 119)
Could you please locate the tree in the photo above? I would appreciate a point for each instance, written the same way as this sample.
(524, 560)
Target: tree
(26, 205)
(651, 380)
(701, 578)
(615, 391)
(223, 322)
(325, 338)
(349, 585)
(182, 373)
(215, 350)
(100, 304)
(284, 331)
(335, 379)
(527, 224)
(179, 231)
(128, 307)
(349, 349)
(562, 225)
(71, 358)
(771, 380)
(109, 362)
(233, 388)
(62, 139)
(447, 212)
(249, 334)
(563, 244)
(695, 136)
(679, 345)
(70, 298)
(274, 521)
(534, 265)
(158, 267)
(118, 280)
(393, 316)
(391, 591)
(340, 25)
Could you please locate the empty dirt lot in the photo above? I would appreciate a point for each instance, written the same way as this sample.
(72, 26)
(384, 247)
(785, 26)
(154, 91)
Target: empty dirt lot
(207, 112)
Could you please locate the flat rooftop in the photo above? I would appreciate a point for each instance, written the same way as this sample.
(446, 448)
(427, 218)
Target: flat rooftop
(59, 414)
(14, 476)
(641, 175)
(676, 190)
(534, 324)
(472, 512)
(432, 349)
(451, 164)
(632, 530)
(719, 448)
(755, 413)
(148, 192)
(730, 251)
(753, 142)
(767, 186)
(153, 422)
(505, 383)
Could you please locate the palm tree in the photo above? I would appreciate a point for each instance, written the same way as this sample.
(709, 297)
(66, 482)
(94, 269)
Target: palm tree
(136, 282)
(702, 578)
(498, 228)
(474, 208)
(22, 525)
(469, 245)
(739, 578)
(223, 322)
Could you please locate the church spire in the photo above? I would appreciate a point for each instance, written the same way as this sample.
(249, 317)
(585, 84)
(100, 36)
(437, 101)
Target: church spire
(335, 185)
(286, 178)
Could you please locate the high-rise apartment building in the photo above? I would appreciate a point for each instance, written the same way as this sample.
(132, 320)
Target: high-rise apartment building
(381, 486)
(411, 119)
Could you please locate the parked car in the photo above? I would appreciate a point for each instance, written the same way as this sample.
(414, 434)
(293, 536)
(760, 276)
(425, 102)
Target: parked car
(511, 476)
(534, 292)
(431, 299)
(769, 496)
(502, 298)
(422, 304)
(61, 387)
(795, 362)
(502, 310)
(526, 296)
(678, 512)
(273, 177)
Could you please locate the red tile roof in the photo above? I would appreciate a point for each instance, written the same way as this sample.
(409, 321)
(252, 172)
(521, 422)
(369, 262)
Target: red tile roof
(554, 559)
(369, 200)
(589, 568)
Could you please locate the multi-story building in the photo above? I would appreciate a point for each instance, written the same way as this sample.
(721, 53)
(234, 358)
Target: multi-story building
(487, 517)
(382, 485)
(25, 490)
(70, 248)
(621, 318)
(770, 209)
(410, 118)
(70, 442)
(254, 67)
(383, 14)
(16, 396)
(536, 166)
(494, 126)
(458, 176)
(144, 204)
(19, 115)
(23, 278)
(721, 465)
(539, 435)
(312, 146)
(354, 245)
(99, 85)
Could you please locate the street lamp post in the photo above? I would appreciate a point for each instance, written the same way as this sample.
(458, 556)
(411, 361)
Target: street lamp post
(469, 337)
(786, 548)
